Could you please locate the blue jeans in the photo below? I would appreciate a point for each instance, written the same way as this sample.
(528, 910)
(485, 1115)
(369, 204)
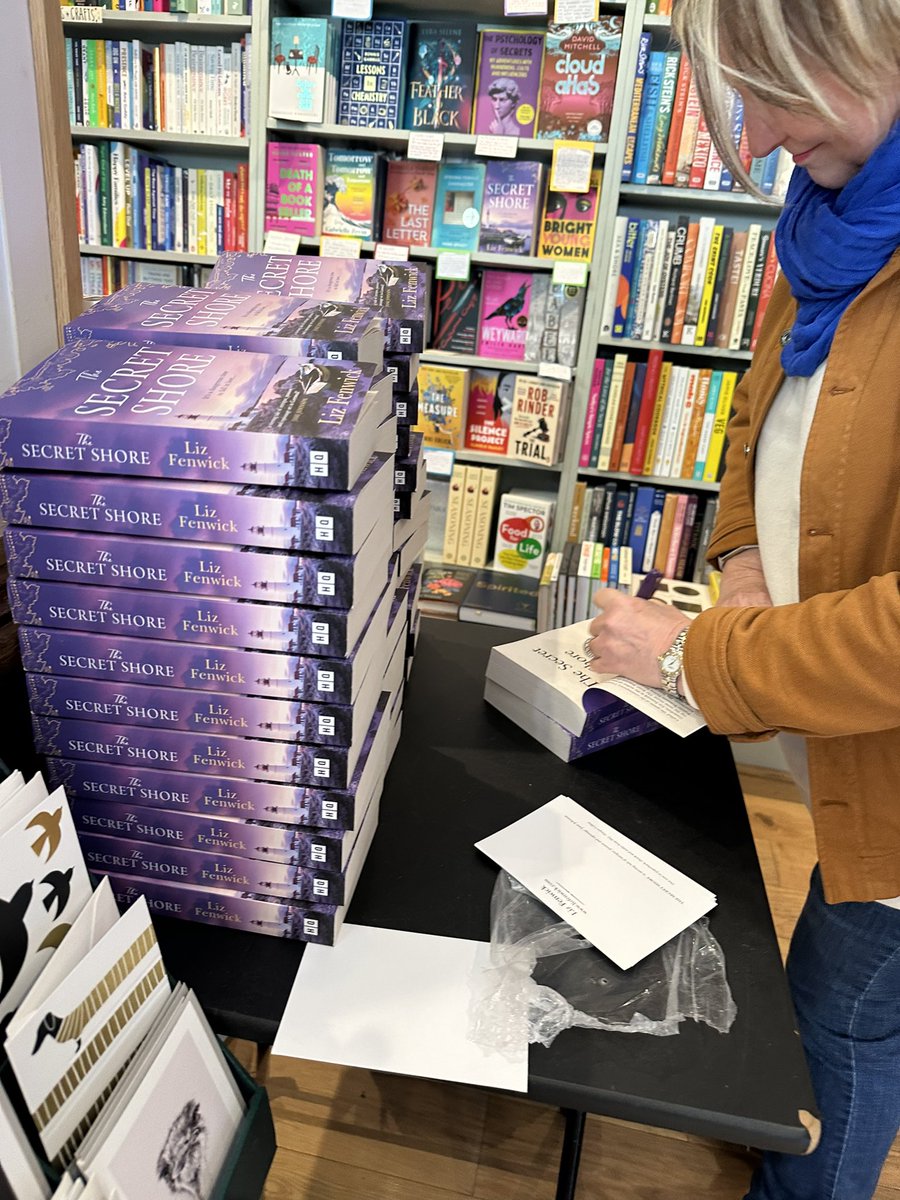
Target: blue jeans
(844, 973)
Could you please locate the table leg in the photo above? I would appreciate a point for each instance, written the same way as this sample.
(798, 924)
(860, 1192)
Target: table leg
(571, 1154)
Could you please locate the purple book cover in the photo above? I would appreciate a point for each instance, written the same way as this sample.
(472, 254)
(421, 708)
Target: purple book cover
(505, 305)
(207, 620)
(399, 292)
(403, 369)
(289, 844)
(235, 910)
(222, 796)
(205, 712)
(215, 869)
(509, 82)
(253, 911)
(156, 410)
(181, 665)
(177, 750)
(238, 515)
(512, 202)
(406, 407)
(156, 565)
(235, 320)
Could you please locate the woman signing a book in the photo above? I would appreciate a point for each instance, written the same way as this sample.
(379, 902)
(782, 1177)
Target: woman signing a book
(805, 639)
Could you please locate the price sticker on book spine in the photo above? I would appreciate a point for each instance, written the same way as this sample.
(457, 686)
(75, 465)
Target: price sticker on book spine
(352, 10)
(570, 169)
(495, 145)
(571, 274)
(391, 253)
(524, 8)
(88, 14)
(439, 462)
(332, 246)
(453, 264)
(565, 11)
(277, 241)
(550, 370)
(426, 147)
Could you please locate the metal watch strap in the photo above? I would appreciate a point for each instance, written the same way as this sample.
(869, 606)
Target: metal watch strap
(670, 664)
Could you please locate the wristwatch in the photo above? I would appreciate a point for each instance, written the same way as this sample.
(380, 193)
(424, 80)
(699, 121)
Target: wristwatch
(670, 664)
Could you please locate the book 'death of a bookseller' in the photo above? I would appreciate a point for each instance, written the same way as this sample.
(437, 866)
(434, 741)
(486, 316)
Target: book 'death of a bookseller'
(216, 514)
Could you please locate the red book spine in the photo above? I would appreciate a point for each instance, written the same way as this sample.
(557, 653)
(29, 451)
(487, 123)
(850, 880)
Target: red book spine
(645, 416)
(770, 274)
(682, 87)
(701, 154)
(241, 206)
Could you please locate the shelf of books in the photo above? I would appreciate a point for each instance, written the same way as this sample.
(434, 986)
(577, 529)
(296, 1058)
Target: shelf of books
(159, 107)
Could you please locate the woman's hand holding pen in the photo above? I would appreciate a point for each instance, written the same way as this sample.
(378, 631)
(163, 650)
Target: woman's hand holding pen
(629, 634)
(743, 583)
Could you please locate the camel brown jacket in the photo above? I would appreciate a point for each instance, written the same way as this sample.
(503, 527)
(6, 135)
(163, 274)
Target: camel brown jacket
(827, 667)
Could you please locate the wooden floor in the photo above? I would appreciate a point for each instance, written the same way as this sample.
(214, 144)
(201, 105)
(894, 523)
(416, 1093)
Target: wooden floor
(354, 1135)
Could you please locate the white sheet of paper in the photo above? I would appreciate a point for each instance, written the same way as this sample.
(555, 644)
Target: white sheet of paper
(623, 899)
(389, 1000)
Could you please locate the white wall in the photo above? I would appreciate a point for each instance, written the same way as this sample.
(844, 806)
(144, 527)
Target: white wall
(27, 312)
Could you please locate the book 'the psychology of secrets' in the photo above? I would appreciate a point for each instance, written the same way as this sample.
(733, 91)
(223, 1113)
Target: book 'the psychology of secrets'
(183, 412)
(398, 291)
(222, 320)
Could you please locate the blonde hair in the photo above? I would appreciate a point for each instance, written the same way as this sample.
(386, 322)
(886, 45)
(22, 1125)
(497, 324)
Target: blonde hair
(775, 46)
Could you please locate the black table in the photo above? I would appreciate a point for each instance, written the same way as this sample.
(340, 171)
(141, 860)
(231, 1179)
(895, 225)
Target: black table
(463, 771)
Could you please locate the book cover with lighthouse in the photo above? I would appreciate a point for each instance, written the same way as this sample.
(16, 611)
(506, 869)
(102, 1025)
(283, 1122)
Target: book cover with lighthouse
(512, 192)
(183, 412)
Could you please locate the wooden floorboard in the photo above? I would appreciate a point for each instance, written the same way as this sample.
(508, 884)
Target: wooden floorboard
(347, 1134)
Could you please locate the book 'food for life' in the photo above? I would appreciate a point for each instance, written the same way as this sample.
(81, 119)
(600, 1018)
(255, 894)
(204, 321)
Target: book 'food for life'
(568, 223)
(297, 68)
(179, 412)
(399, 291)
(441, 76)
(372, 73)
(512, 191)
(505, 308)
(235, 321)
(294, 176)
(578, 79)
(408, 202)
(509, 82)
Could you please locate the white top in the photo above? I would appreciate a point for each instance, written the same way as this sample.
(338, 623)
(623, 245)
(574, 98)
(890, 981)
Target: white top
(779, 460)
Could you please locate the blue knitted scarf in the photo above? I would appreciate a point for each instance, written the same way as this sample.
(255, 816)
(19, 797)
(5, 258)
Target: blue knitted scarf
(831, 243)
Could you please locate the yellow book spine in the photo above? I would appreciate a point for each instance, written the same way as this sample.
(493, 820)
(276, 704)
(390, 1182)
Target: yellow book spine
(720, 425)
(201, 211)
(709, 284)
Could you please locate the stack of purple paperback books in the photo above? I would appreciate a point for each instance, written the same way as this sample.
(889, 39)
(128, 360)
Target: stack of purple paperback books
(214, 607)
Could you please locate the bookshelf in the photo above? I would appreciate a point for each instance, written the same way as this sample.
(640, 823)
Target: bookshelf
(185, 152)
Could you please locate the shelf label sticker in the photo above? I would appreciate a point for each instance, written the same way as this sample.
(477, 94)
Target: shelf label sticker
(439, 462)
(453, 264)
(428, 147)
(565, 11)
(352, 10)
(332, 246)
(573, 274)
(525, 8)
(555, 371)
(90, 14)
(570, 169)
(496, 145)
(391, 253)
(277, 241)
